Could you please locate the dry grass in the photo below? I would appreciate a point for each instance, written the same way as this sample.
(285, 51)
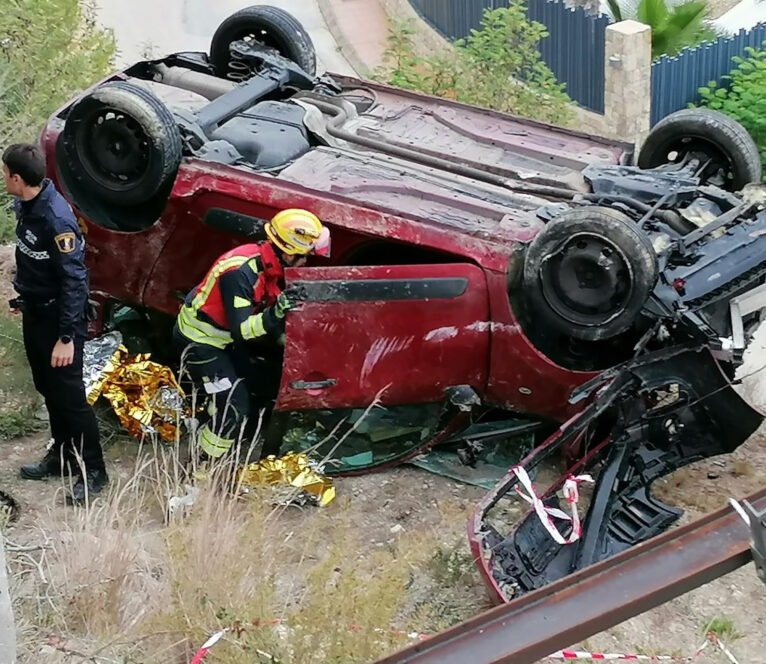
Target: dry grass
(742, 468)
(18, 398)
(117, 581)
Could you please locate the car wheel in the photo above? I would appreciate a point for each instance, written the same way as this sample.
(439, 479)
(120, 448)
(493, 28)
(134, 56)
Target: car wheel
(727, 153)
(269, 26)
(121, 144)
(589, 272)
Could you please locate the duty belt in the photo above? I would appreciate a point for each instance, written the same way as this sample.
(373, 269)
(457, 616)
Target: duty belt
(25, 304)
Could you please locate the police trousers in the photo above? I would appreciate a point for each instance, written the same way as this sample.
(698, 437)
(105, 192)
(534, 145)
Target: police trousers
(73, 423)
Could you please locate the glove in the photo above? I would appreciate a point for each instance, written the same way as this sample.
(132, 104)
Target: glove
(286, 300)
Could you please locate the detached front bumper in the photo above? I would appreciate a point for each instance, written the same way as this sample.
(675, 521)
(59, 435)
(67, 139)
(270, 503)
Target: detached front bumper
(652, 417)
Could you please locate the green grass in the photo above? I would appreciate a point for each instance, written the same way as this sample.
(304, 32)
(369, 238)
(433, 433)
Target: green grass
(7, 224)
(17, 393)
(723, 628)
(15, 425)
(13, 360)
(451, 564)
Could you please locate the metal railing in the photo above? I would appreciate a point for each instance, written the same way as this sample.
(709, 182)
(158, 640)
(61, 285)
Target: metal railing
(676, 80)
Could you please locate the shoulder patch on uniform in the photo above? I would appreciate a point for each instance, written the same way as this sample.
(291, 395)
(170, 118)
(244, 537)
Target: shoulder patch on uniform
(65, 242)
(241, 302)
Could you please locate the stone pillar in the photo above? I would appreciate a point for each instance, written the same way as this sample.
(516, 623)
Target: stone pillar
(627, 81)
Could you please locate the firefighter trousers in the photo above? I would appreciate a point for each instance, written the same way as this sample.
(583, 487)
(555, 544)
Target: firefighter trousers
(73, 423)
(216, 374)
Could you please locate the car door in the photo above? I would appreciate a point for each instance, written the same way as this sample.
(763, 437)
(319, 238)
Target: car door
(405, 333)
(398, 336)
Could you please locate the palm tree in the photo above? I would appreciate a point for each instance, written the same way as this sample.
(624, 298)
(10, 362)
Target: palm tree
(674, 26)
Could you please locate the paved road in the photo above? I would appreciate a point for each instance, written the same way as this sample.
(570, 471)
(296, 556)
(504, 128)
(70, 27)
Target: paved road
(742, 16)
(157, 27)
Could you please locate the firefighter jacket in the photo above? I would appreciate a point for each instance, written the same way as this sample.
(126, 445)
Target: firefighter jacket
(50, 252)
(234, 303)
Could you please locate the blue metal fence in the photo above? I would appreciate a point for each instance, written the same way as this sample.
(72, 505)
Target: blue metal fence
(676, 80)
(574, 49)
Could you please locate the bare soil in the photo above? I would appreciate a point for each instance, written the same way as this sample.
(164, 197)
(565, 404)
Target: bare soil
(378, 505)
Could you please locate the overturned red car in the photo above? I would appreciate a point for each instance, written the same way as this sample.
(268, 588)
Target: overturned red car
(484, 268)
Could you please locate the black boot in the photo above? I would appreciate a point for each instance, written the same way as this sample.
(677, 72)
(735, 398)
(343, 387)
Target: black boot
(48, 466)
(95, 478)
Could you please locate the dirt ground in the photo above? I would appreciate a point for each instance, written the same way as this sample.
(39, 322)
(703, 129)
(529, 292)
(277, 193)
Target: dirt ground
(380, 505)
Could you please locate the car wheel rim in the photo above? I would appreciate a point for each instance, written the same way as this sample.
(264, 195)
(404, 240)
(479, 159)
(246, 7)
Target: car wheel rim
(714, 168)
(588, 281)
(115, 150)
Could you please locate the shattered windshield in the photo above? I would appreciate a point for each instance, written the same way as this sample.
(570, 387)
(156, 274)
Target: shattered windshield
(355, 439)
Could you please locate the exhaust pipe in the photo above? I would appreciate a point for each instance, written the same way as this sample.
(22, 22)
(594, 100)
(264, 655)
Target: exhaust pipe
(210, 87)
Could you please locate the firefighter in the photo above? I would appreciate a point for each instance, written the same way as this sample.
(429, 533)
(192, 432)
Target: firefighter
(241, 300)
(52, 283)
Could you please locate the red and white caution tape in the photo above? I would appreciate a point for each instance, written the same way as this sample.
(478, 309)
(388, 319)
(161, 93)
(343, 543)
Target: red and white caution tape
(717, 643)
(200, 654)
(613, 657)
(544, 513)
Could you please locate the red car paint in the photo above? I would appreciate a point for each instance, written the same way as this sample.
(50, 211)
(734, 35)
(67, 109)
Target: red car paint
(416, 350)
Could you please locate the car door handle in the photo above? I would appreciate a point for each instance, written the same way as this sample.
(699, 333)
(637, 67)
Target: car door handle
(313, 384)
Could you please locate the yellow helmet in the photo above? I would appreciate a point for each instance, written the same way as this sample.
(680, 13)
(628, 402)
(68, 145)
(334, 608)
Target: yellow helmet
(298, 232)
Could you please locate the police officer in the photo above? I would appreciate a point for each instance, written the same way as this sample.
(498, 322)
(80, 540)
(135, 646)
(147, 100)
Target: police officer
(241, 300)
(52, 283)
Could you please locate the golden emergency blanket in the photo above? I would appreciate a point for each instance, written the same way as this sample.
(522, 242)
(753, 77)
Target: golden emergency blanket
(145, 395)
(293, 470)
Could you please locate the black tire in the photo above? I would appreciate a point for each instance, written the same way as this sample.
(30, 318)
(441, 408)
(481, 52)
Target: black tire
(734, 157)
(270, 26)
(603, 302)
(121, 144)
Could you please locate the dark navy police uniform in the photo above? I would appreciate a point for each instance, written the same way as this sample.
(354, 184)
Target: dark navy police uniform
(52, 282)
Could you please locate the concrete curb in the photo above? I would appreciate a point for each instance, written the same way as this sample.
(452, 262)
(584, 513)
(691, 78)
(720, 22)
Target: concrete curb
(345, 45)
(427, 40)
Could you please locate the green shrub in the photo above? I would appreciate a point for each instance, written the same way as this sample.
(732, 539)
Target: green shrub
(742, 95)
(497, 66)
(49, 50)
(18, 399)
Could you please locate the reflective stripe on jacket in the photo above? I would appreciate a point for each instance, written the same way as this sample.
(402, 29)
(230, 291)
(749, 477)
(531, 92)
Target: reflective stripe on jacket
(234, 301)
